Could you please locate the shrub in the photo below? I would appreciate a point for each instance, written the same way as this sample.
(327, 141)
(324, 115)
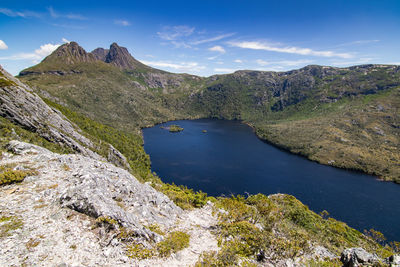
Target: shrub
(8, 224)
(174, 242)
(138, 251)
(10, 176)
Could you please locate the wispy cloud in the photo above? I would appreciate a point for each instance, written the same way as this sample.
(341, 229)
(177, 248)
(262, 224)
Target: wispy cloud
(3, 45)
(170, 33)
(69, 26)
(65, 40)
(224, 70)
(287, 49)
(262, 62)
(238, 61)
(34, 56)
(364, 60)
(56, 15)
(22, 14)
(212, 39)
(287, 63)
(122, 22)
(359, 42)
(181, 66)
(217, 48)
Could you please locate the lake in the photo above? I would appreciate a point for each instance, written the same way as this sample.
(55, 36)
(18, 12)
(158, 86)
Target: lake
(230, 159)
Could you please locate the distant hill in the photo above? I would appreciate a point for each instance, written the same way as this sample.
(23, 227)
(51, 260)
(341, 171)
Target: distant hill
(345, 117)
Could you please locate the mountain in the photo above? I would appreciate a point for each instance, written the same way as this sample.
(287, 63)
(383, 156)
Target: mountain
(121, 58)
(344, 117)
(100, 53)
(78, 209)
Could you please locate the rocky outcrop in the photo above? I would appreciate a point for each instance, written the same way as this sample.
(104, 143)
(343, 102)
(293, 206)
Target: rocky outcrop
(100, 53)
(393, 261)
(116, 158)
(70, 53)
(353, 257)
(19, 104)
(121, 58)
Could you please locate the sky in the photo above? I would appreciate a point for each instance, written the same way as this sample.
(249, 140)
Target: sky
(207, 37)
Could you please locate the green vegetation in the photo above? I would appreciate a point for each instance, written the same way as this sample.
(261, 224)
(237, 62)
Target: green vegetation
(4, 82)
(175, 128)
(282, 227)
(8, 224)
(138, 251)
(10, 131)
(10, 176)
(182, 196)
(174, 242)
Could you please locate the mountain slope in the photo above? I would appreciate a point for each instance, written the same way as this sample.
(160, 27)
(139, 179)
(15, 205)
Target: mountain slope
(306, 111)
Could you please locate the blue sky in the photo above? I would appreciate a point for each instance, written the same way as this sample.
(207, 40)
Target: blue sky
(207, 37)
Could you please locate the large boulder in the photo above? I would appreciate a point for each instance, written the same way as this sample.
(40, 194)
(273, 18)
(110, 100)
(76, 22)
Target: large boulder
(353, 257)
(394, 260)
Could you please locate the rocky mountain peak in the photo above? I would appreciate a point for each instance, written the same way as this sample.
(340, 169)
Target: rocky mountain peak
(119, 56)
(100, 53)
(71, 53)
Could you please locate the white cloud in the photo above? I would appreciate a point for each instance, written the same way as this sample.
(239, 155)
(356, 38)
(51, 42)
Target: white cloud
(24, 14)
(354, 62)
(293, 62)
(262, 62)
(35, 56)
(213, 39)
(238, 61)
(3, 45)
(359, 42)
(46, 49)
(122, 22)
(65, 40)
(56, 15)
(175, 32)
(217, 48)
(212, 58)
(181, 67)
(283, 62)
(288, 49)
(224, 70)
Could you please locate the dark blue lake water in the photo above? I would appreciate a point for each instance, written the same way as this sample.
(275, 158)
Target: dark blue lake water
(230, 159)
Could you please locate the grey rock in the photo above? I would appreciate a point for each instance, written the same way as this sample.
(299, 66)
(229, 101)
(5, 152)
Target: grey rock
(19, 104)
(100, 53)
(116, 158)
(353, 257)
(393, 261)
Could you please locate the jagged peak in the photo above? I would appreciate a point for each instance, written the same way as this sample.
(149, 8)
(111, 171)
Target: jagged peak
(119, 56)
(71, 53)
(100, 53)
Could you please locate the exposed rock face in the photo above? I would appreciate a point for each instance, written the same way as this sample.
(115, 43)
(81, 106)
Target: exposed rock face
(393, 260)
(100, 53)
(353, 257)
(116, 158)
(21, 105)
(71, 53)
(120, 57)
